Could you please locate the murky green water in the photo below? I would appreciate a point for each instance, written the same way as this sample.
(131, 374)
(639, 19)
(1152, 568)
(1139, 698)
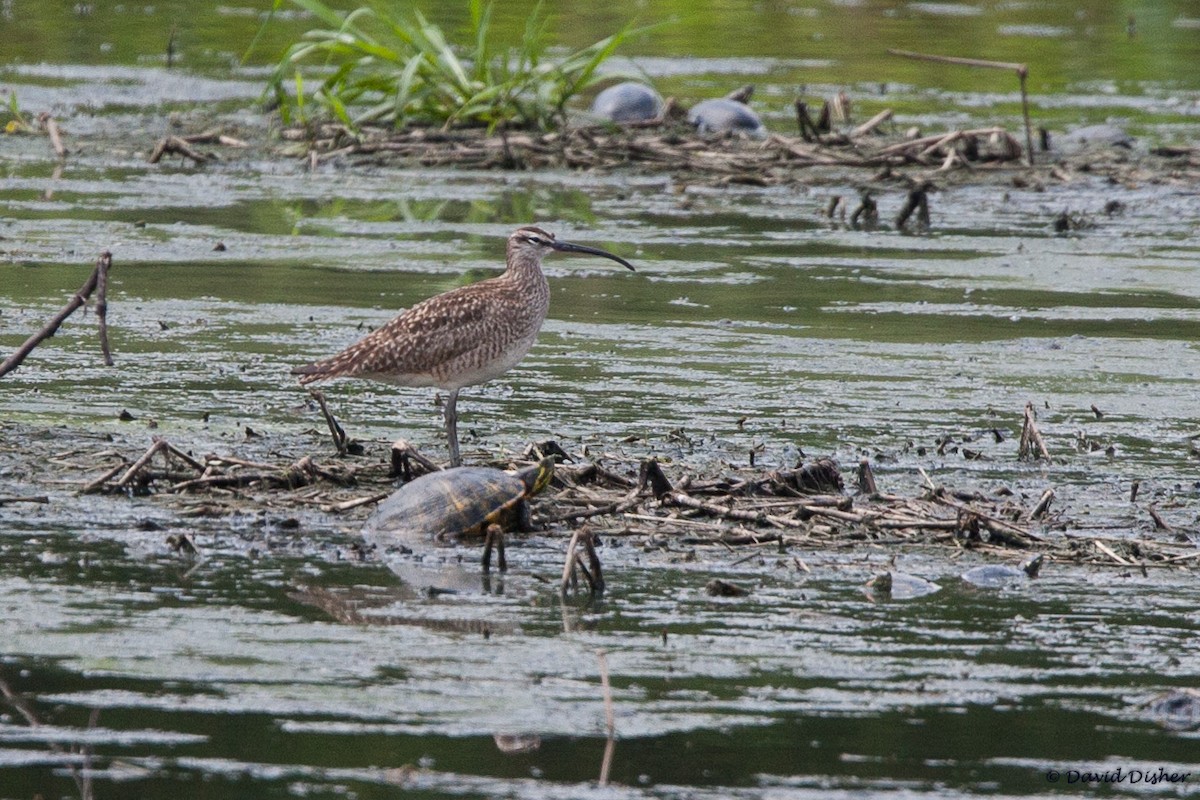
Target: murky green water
(751, 324)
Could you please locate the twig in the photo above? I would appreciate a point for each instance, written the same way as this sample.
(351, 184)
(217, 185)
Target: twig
(584, 540)
(340, 439)
(48, 122)
(159, 444)
(347, 505)
(79, 299)
(1159, 523)
(102, 310)
(1022, 71)
(1003, 530)
(923, 143)
(184, 457)
(39, 498)
(1031, 437)
(918, 200)
(1108, 551)
(1043, 505)
(726, 512)
(214, 137)
(404, 454)
(180, 146)
(610, 724)
(94, 485)
(568, 573)
(866, 478)
(870, 125)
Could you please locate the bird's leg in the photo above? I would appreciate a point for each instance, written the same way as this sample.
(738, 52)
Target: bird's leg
(452, 428)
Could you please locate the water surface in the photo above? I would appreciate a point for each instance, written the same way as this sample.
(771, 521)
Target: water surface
(753, 324)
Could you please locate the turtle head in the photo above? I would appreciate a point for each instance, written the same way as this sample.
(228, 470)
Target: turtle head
(538, 476)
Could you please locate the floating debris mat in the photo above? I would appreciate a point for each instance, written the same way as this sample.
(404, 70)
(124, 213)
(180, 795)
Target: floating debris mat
(808, 507)
(656, 147)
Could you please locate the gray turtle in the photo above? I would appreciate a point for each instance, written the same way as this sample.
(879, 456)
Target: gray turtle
(1096, 136)
(900, 586)
(998, 576)
(1176, 710)
(628, 102)
(723, 115)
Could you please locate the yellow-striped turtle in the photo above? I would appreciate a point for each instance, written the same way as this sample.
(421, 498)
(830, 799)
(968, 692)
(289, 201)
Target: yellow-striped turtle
(460, 503)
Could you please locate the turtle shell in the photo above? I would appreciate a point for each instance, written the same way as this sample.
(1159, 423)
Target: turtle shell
(726, 116)
(999, 576)
(628, 102)
(900, 586)
(456, 503)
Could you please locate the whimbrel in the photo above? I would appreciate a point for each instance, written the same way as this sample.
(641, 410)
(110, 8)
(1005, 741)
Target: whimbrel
(463, 337)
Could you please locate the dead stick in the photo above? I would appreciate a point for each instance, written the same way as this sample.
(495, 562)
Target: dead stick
(233, 461)
(609, 717)
(93, 485)
(585, 513)
(191, 462)
(39, 498)
(945, 141)
(102, 306)
(993, 524)
(866, 478)
(569, 563)
(960, 61)
(583, 568)
(724, 512)
(55, 135)
(925, 141)
(589, 546)
(340, 439)
(159, 444)
(51, 327)
(1031, 437)
(1108, 551)
(1159, 522)
(1022, 71)
(871, 124)
(174, 144)
(346, 505)
(1043, 505)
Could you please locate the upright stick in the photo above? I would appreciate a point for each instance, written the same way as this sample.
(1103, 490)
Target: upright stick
(1022, 71)
(99, 277)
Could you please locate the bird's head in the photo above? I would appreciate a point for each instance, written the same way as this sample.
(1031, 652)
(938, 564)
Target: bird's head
(535, 242)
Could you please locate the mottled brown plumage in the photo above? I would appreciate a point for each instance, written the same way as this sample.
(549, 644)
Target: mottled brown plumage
(463, 337)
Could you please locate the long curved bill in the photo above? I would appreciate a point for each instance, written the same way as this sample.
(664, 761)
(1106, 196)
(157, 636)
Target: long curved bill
(568, 247)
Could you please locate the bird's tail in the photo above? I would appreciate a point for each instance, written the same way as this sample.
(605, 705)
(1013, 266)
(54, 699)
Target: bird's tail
(346, 363)
(311, 373)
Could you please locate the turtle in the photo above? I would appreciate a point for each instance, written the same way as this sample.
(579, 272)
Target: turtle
(1096, 136)
(628, 102)
(899, 586)
(456, 504)
(723, 115)
(998, 576)
(1176, 710)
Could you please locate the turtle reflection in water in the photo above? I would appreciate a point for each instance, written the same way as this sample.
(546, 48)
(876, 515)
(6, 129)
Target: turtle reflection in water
(996, 576)
(452, 506)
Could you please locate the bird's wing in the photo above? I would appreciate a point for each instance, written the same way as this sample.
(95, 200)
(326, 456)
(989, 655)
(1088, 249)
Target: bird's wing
(421, 338)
